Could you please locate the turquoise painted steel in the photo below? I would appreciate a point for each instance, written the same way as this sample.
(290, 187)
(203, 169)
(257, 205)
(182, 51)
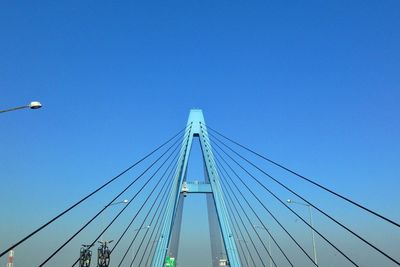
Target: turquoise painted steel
(197, 128)
(195, 187)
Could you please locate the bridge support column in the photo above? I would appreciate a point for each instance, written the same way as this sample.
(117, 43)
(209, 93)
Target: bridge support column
(167, 244)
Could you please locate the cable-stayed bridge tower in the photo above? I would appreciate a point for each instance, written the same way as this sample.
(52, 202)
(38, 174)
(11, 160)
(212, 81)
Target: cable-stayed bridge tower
(248, 216)
(217, 210)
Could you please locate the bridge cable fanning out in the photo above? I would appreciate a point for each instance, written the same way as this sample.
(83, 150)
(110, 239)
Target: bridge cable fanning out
(176, 145)
(239, 234)
(233, 210)
(150, 210)
(161, 209)
(301, 197)
(105, 207)
(124, 232)
(307, 179)
(160, 206)
(232, 207)
(218, 155)
(61, 214)
(228, 189)
(157, 236)
(231, 191)
(170, 170)
(159, 228)
(157, 224)
(295, 213)
(164, 199)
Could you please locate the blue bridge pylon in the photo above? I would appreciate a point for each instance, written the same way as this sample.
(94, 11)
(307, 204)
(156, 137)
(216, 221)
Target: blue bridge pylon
(224, 242)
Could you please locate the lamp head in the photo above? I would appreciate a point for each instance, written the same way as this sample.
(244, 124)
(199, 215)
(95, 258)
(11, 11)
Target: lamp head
(35, 105)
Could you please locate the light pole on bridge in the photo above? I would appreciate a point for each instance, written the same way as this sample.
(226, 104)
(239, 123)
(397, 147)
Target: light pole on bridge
(125, 201)
(119, 202)
(311, 223)
(32, 105)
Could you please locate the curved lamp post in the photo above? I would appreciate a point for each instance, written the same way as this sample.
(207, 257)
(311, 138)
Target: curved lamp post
(32, 105)
(119, 202)
(125, 201)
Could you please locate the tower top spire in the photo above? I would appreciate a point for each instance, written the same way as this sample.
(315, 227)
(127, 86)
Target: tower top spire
(196, 117)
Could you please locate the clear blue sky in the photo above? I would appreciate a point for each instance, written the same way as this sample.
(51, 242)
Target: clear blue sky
(315, 85)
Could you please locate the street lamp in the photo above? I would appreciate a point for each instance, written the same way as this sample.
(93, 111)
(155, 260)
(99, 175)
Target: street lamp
(125, 201)
(119, 202)
(311, 223)
(269, 242)
(144, 227)
(32, 105)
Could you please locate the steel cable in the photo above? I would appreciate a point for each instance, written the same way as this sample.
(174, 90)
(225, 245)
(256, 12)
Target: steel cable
(228, 187)
(231, 204)
(87, 196)
(144, 203)
(126, 206)
(309, 180)
(269, 212)
(255, 213)
(295, 213)
(312, 205)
